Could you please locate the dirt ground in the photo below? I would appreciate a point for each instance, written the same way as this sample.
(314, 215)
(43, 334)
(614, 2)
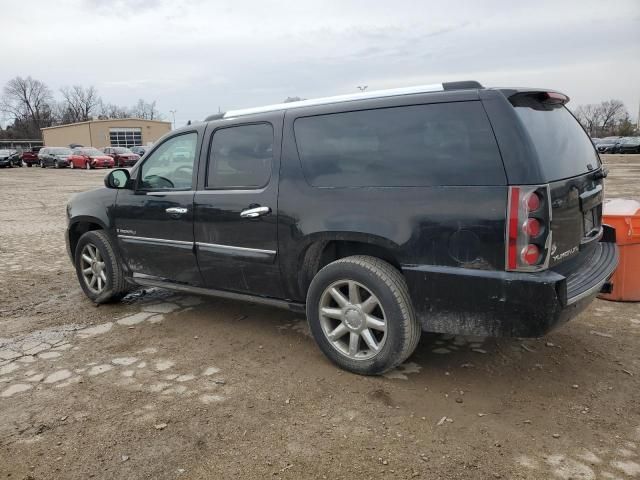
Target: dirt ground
(167, 386)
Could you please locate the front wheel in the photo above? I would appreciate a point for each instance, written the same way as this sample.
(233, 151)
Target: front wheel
(87, 166)
(98, 268)
(361, 316)
(41, 163)
(71, 165)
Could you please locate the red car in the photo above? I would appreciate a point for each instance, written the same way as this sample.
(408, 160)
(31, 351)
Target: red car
(30, 158)
(122, 156)
(89, 157)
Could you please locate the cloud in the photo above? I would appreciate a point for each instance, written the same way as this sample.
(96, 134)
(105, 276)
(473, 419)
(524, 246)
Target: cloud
(195, 55)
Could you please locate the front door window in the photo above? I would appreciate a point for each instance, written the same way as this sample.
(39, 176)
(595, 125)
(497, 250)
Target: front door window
(170, 166)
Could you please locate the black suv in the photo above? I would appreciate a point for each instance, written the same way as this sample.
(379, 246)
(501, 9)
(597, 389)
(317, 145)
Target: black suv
(449, 208)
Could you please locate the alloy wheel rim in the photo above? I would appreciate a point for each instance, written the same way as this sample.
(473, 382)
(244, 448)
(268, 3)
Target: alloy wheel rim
(353, 320)
(94, 271)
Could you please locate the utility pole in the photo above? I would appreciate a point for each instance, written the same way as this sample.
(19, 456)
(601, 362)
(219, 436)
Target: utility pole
(362, 88)
(173, 112)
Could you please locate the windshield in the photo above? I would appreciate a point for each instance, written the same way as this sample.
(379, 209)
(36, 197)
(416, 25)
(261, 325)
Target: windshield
(121, 150)
(61, 151)
(92, 152)
(563, 147)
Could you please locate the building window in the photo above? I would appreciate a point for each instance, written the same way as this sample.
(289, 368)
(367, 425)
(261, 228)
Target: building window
(125, 137)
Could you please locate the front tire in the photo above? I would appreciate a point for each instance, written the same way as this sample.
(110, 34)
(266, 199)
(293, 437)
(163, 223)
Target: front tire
(98, 268)
(41, 163)
(87, 166)
(361, 316)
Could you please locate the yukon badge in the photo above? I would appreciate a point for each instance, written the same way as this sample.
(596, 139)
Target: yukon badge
(562, 255)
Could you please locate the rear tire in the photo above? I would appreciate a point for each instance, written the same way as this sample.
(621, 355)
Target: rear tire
(371, 327)
(95, 257)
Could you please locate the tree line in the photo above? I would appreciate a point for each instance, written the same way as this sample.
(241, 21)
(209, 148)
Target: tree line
(606, 119)
(31, 104)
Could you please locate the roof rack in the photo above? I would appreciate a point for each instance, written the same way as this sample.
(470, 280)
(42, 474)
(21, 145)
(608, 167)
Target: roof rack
(391, 92)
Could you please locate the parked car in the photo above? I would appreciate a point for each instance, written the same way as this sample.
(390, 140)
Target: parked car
(139, 150)
(57, 157)
(89, 157)
(122, 156)
(608, 145)
(30, 157)
(380, 214)
(15, 159)
(629, 145)
(595, 140)
(6, 159)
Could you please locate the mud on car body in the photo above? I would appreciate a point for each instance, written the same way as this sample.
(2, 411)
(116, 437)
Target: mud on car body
(446, 208)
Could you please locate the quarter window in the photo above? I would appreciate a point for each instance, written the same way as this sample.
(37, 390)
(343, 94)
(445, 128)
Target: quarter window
(417, 145)
(241, 157)
(170, 166)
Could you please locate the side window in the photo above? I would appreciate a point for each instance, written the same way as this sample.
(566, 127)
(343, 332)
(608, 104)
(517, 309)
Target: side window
(170, 166)
(417, 145)
(241, 157)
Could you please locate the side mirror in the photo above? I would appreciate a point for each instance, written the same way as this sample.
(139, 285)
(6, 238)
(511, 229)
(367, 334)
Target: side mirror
(117, 178)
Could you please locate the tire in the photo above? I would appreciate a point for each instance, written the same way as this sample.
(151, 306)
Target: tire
(115, 287)
(42, 164)
(71, 165)
(386, 286)
(28, 165)
(87, 166)
(55, 164)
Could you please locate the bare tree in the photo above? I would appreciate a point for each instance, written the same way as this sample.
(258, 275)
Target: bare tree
(146, 111)
(612, 112)
(28, 101)
(602, 119)
(589, 116)
(110, 110)
(80, 103)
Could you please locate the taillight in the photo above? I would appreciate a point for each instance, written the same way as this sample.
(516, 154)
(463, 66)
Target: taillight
(528, 232)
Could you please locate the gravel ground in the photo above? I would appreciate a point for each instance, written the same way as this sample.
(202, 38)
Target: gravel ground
(165, 386)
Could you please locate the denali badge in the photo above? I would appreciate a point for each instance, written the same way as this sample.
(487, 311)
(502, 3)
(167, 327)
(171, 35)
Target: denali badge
(562, 255)
(126, 232)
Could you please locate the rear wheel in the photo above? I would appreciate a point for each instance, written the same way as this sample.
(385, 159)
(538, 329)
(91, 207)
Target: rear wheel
(361, 316)
(55, 164)
(98, 268)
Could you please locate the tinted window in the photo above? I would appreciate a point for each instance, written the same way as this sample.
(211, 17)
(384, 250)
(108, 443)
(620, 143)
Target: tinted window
(420, 145)
(563, 147)
(241, 157)
(170, 166)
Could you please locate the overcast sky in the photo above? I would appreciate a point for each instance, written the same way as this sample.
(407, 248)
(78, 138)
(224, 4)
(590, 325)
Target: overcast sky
(196, 55)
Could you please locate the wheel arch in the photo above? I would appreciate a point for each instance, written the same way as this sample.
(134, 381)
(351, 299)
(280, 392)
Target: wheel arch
(322, 249)
(79, 226)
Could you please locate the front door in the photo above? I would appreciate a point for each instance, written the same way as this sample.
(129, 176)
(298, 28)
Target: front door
(236, 207)
(154, 221)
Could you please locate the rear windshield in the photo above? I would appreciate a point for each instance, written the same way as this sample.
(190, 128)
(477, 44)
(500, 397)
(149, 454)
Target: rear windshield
(418, 145)
(563, 147)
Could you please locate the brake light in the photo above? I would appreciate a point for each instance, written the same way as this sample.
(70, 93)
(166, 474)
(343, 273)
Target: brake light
(528, 235)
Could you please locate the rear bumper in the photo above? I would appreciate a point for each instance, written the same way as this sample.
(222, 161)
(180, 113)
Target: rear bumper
(495, 303)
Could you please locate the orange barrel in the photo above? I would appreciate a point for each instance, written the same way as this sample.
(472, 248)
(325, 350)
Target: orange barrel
(624, 216)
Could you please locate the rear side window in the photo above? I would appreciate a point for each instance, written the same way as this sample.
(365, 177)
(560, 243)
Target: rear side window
(564, 149)
(241, 157)
(419, 145)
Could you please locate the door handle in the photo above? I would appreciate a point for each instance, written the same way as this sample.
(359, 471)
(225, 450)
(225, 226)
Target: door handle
(176, 211)
(255, 212)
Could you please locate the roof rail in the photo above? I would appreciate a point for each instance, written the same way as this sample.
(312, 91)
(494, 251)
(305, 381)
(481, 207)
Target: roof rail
(337, 99)
(391, 92)
(463, 85)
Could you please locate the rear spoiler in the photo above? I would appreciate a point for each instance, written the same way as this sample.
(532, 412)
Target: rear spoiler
(537, 99)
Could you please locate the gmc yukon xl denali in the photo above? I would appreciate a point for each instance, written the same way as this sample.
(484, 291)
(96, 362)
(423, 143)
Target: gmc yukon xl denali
(447, 208)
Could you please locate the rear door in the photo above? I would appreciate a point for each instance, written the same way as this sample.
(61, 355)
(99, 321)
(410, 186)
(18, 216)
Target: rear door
(570, 164)
(236, 206)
